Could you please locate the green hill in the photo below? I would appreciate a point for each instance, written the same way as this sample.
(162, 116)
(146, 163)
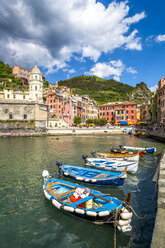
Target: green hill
(104, 91)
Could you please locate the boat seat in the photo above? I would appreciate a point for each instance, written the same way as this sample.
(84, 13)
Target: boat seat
(75, 204)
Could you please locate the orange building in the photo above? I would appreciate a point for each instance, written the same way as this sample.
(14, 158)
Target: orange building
(19, 72)
(118, 111)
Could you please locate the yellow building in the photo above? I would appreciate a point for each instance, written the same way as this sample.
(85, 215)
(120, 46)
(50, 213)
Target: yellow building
(16, 94)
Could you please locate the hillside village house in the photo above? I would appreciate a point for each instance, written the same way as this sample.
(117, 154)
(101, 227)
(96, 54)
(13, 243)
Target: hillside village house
(21, 72)
(118, 111)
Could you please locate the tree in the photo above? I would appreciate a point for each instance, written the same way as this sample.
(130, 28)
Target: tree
(77, 120)
(89, 121)
(102, 121)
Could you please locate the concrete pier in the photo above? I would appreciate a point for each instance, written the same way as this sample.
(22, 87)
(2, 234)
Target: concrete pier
(158, 238)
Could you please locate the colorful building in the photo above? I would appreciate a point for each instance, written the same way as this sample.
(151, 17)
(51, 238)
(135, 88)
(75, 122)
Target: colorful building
(161, 101)
(154, 107)
(118, 111)
(145, 112)
(16, 94)
(21, 72)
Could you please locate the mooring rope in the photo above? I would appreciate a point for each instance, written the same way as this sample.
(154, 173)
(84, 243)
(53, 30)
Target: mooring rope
(146, 214)
(141, 179)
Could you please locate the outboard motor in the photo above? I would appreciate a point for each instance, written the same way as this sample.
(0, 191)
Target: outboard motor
(59, 164)
(45, 175)
(85, 158)
(94, 154)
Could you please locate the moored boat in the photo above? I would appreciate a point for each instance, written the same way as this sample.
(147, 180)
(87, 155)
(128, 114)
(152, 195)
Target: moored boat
(111, 165)
(92, 176)
(87, 204)
(116, 156)
(150, 150)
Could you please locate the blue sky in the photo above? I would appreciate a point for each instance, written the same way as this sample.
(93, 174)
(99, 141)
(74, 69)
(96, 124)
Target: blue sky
(123, 40)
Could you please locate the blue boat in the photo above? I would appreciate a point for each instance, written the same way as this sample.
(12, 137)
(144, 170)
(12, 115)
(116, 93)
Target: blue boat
(87, 204)
(150, 150)
(92, 176)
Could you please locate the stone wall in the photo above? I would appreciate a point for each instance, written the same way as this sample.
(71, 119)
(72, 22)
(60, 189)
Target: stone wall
(158, 238)
(22, 115)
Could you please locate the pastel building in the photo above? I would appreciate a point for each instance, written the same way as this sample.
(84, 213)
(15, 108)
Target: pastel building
(161, 101)
(16, 94)
(145, 112)
(19, 72)
(118, 111)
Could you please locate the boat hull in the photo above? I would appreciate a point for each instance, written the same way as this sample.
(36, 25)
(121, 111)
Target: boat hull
(147, 150)
(111, 165)
(92, 176)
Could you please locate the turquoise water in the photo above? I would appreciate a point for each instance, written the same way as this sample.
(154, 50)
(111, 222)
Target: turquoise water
(28, 219)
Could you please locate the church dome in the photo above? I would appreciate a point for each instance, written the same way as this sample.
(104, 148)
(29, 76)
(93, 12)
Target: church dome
(36, 70)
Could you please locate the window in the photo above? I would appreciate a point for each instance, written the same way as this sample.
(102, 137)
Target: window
(118, 112)
(35, 87)
(132, 111)
(122, 112)
(112, 118)
(103, 108)
(122, 117)
(100, 114)
(132, 106)
(10, 116)
(127, 111)
(25, 117)
(103, 114)
(132, 117)
(107, 119)
(107, 113)
(14, 96)
(24, 97)
(127, 106)
(112, 113)
(36, 77)
(8, 96)
(54, 100)
(126, 117)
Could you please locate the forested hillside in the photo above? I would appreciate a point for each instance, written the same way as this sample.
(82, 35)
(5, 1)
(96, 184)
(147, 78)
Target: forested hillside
(103, 91)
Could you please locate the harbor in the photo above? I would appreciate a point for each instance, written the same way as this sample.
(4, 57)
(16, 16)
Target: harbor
(26, 214)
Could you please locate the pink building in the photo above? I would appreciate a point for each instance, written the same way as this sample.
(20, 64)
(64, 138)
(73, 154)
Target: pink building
(161, 101)
(65, 108)
(19, 71)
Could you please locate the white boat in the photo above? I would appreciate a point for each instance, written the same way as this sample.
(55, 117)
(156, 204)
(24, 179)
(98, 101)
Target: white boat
(111, 164)
(146, 149)
(124, 158)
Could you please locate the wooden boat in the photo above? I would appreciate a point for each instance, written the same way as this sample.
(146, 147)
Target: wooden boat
(123, 151)
(116, 156)
(150, 150)
(111, 165)
(92, 176)
(87, 204)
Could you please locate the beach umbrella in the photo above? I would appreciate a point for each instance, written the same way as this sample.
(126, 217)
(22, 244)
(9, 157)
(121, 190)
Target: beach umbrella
(124, 123)
(130, 123)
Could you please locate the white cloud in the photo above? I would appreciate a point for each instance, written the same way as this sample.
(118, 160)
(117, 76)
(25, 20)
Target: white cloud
(71, 71)
(153, 88)
(113, 68)
(131, 70)
(51, 32)
(160, 37)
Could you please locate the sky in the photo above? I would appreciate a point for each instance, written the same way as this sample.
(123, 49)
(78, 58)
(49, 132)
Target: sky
(121, 40)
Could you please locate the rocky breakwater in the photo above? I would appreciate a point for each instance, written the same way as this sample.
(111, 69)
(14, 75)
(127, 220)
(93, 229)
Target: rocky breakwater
(158, 239)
